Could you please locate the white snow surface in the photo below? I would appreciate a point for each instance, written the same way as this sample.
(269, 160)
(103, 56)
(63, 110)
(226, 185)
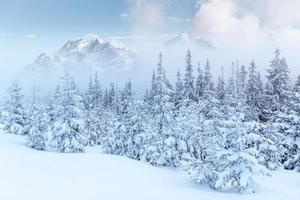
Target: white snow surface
(27, 174)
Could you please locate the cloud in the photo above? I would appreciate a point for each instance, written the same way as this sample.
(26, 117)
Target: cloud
(2, 34)
(30, 36)
(220, 22)
(250, 29)
(147, 16)
(249, 22)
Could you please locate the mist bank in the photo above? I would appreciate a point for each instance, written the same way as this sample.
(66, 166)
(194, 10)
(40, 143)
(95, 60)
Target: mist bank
(173, 49)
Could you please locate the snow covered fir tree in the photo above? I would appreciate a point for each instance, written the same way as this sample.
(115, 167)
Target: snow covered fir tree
(221, 133)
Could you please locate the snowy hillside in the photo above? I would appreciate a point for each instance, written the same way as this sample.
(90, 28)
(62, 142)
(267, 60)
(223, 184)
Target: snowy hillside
(27, 174)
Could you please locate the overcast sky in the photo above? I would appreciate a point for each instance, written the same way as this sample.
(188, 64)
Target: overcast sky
(240, 29)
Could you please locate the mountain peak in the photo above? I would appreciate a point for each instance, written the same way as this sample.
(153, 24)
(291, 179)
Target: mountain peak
(88, 43)
(91, 36)
(187, 40)
(185, 36)
(91, 51)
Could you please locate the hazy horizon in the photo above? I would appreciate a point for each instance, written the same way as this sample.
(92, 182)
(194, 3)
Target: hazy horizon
(240, 30)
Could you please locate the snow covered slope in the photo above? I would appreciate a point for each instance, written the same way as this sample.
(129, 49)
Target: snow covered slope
(26, 174)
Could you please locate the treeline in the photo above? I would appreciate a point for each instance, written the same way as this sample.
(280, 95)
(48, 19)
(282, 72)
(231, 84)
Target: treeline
(221, 133)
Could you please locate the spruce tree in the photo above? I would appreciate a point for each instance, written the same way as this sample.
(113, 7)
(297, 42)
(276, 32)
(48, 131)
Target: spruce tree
(278, 79)
(67, 133)
(37, 136)
(189, 88)
(15, 120)
(254, 93)
(178, 96)
(220, 89)
(199, 84)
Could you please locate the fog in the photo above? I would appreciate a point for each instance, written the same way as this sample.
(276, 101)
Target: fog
(240, 30)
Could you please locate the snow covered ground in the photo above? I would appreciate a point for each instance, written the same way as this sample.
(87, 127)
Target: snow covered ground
(27, 174)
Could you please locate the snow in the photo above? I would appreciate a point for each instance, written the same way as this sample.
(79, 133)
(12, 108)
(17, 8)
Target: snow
(29, 174)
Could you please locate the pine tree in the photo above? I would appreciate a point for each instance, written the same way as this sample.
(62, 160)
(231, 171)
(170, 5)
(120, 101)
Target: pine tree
(15, 121)
(220, 89)
(178, 96)
(278, 81)
(208, 104)
(113, 97)
(199, 84)
(241, 82)
(208, 81)
(254, 93)
(162, 99)
(67, 132)
(189, 88)
(158, 151)
(37, 136)
(93, 107)
(231, 88)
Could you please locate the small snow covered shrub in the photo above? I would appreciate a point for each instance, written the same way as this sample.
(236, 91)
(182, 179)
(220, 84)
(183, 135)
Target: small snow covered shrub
(235, 170)
(227, 170)
(293, 163)
(268, 156)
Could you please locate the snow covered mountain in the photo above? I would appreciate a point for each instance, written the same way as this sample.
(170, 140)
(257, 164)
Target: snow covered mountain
(88, 52)
(187, 40)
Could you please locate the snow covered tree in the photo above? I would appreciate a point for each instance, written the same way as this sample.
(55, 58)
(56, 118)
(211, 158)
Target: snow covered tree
(116, 141)
(220, 88)
(162, 100)
(208, 104)
(67, 132)
(241, 85)
(254, 93)
(199, 84)
(178, 95)
(94, 94)
(208, 81)
(278, 82)
(161, 147)
(189, 88)
(112, 97)
(15, 120)
(127, 134)
(37, 136)
(229, 165)
(93, 108)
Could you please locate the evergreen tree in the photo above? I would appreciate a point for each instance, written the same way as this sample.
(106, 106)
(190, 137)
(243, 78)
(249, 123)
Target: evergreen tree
(208, 81)
(178, 96)
(241, 82)
(220, 89)
(199, 84)
(254, 93)
(162, 99)
(278, 82)
(37, 136)
(189, 88)
(15, 121)
(67, 133)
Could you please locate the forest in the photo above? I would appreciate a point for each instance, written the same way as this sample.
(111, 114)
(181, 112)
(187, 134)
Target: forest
(219, 131)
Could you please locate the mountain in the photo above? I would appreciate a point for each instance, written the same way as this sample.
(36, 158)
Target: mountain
(88, 52)
(187, 40)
